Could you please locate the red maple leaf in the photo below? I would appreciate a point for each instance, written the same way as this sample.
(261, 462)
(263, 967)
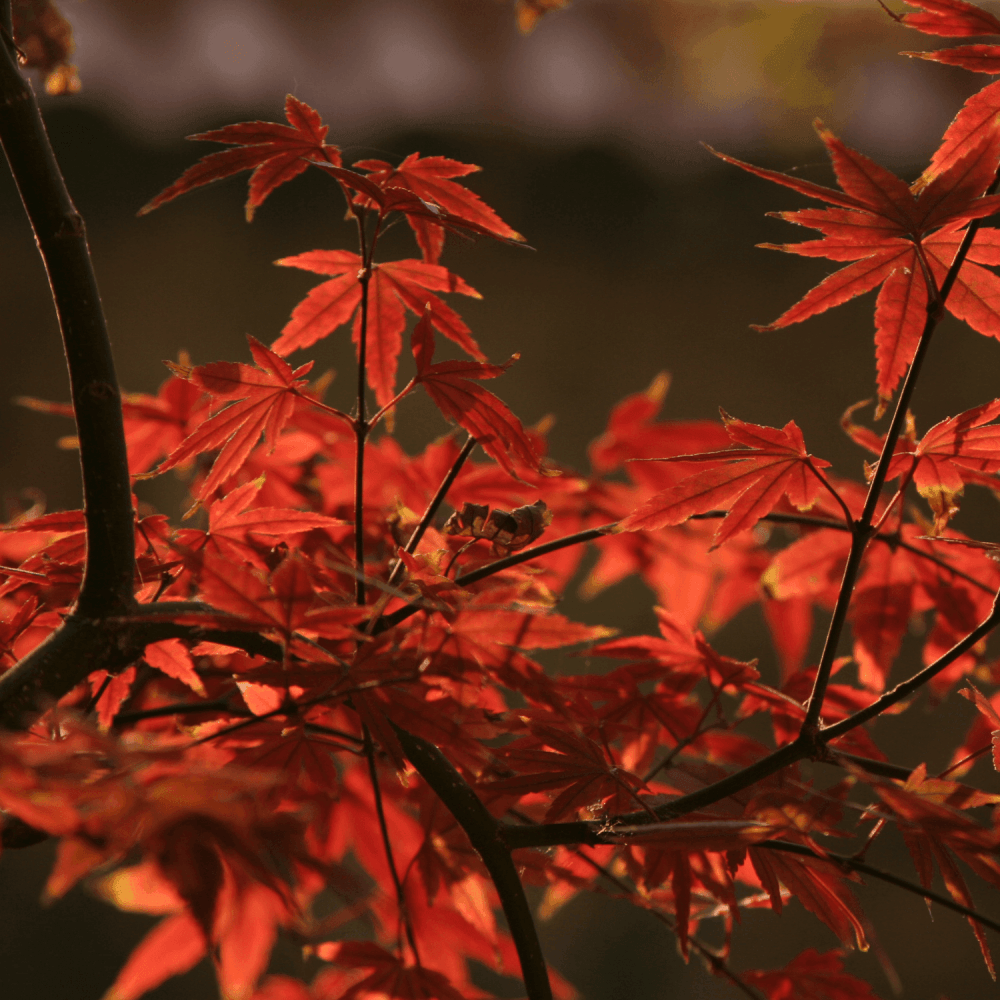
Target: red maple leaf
(389, 977)
(885, 598)
(748, 480)
(260, 398)
(892, 235)
(574, 761)
(955, 451)
(282, 602)
(951, 19)
(232, 521)
(933, 828)
(682, 657)
(394, 287)
(977, 118)
(984, 733)
(810, 976)
(633, 433)
(429, 179)
(241, 935)
(155, 425)
(452, 386)
(956, 19)
(818, 885)
(276, 153)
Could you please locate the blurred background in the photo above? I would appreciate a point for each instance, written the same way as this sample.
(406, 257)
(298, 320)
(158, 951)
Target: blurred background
(588, 133)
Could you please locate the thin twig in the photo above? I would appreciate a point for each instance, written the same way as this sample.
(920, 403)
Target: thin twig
(464, 579)
(855, 864)
(404, 913)
(360, 423)
(863, 531)
(884, 768)
(534, 552)
(432, 507)
(178, 708)
(718, 965)
(887, 538)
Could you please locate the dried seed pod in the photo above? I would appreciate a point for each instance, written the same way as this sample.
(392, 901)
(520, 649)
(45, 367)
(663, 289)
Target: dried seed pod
(507, 530)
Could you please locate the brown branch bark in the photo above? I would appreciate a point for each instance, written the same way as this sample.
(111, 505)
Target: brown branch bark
(487, 837)
(62, 242)
(84, 642)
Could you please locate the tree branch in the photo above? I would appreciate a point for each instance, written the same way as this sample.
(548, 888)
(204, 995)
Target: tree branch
(84, 642)
(863, 530)
(486, 836)
(588, 535)
(432, 507)
(856, 865)
(908, 687)
(404, 913)
(59, 232)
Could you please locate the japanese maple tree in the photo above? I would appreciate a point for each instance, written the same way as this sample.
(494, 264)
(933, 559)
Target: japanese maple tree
(313, 683)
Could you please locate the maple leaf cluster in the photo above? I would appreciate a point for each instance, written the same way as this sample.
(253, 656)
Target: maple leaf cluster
(321, 618)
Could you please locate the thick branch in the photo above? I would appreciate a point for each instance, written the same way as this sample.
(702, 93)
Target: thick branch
(548, 835)
(486, 835)
(82, 645)
(59, 232)
(84, 642)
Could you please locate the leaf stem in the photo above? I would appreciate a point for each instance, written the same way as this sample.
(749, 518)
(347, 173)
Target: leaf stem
(405, 391)
(332, 410)
(848, 518)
